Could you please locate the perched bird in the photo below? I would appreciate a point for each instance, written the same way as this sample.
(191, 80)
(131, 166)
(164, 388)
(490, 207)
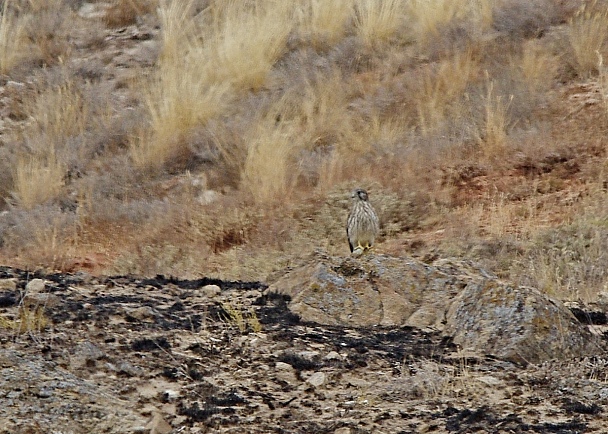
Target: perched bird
(363, 224)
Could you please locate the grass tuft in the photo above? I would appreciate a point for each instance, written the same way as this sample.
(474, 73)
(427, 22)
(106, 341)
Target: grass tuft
(588, 34)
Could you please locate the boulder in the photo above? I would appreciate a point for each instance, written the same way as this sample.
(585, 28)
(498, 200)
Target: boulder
(516, 323)
(478, 310)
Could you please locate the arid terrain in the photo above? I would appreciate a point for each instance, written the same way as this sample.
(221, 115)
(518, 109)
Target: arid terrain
(159, 355)
(216, 142)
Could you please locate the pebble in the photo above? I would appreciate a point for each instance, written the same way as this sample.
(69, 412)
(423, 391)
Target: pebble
(8, 284)
(35, 286)
(316, 379)
(211, 290)
(141, 312)
(282, 366)
(44, 300)
(332, 355)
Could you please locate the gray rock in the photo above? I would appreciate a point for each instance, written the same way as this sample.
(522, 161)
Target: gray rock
(478, 310)
(211, 291)
(516, 323)
(35, 286)
(316, 379)
(34, 300)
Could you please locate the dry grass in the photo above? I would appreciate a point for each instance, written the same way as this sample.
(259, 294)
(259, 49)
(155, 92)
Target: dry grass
(324, 22)
(12, 38)
(443, 89)
(270, 172)
(450, 113)
(429, 18)
(588, 34)
(205, 61)
(236, 49)
(37, 180)
(378, 20)
(494, 135)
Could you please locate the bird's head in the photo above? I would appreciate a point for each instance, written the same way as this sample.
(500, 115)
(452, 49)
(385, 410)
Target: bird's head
(359, 194)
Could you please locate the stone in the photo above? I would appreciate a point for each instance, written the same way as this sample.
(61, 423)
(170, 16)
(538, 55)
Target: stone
(211, 291)
(34, 300)
(8, 284)
(35, 286)
(332, 355)
(141, 313)
(519, 324)
(282, 366)
(316, 379)
(475, 308)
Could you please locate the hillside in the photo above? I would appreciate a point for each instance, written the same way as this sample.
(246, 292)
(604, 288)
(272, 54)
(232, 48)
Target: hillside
(163, 163)
(222, 138)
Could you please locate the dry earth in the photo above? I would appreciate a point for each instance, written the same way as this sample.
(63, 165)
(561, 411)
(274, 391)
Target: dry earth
(82, 354)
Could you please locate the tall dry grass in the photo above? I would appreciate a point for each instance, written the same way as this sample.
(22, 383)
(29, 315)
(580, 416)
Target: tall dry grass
(37, 179)
(12, 37)
(493, 133)
(428, 18)
(324, 22)
(270, 171)
(442, 90)
(588, 35)
(378, 20)
(57, 114)
(206, 62)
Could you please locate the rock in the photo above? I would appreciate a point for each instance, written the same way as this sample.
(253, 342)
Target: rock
(282, 366)
(141, 313)
(285, 372)
(474, 307)
(8, 284)
(316, 379)
(85, 354)
(34, 300)
(332, 355)
(211, 290)
(519, 324)
(373, 290)
(35, 286)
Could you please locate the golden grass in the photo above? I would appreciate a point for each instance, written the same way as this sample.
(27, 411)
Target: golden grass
(125, 12)
(442, 90)
(58, 112)
(428, 17)
(493, 134)
(269, 172)
(244, 321)
(29, 321)
(205, 61)
(324, 21)
(378, 20)
(12, 38)
(241, 41)
(588, 33)
(537, 66)
(37, 180)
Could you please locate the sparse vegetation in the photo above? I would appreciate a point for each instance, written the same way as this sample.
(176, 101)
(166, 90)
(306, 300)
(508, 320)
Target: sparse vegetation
(225, 142)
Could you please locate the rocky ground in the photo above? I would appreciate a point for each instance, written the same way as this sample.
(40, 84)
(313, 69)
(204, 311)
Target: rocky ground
(83, 354)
